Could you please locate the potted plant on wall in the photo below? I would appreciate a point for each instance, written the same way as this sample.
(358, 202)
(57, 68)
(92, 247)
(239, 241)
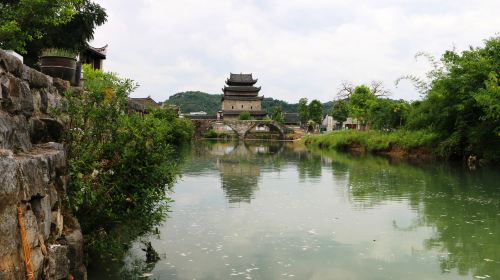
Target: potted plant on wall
(58, 63)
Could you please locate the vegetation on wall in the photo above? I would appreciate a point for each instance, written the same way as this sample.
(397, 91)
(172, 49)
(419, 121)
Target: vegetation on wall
(120, 164)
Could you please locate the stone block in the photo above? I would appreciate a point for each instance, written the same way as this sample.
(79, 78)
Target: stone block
(37, 260)
(8, 180)
(40, 101)
(42, 211)
(35, 78)
(10, 267)
(10, 63)
(75, 253)
(58, 262)
(14, 133)
(16, 95)
(58, 221)
(61, 85)
(33, 178)
(9, 231)
(31, 225)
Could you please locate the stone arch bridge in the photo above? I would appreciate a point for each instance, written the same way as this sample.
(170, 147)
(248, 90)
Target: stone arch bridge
(240, 127)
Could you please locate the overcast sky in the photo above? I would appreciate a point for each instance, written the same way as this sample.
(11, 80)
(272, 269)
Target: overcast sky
(295, 48)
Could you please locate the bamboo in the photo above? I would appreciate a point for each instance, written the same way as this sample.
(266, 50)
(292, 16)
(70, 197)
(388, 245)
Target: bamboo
(24, 243)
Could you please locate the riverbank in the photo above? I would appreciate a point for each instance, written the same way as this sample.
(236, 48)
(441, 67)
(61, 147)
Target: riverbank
(400, 144)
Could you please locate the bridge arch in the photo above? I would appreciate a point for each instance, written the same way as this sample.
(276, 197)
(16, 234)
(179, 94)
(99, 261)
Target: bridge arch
(271, 124)
(241, 127)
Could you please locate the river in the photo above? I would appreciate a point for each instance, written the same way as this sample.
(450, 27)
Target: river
(274, 210)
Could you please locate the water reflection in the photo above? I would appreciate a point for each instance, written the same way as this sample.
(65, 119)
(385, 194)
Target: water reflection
(276, 211)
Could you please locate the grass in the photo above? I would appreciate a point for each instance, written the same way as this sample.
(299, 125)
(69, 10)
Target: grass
(372, 140)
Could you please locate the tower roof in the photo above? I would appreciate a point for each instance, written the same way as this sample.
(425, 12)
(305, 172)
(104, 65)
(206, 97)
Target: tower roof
(240, 79)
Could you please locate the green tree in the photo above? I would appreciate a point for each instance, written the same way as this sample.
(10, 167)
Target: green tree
(387, 114)
(278, 115)
(303, 110)
(24, 21)
(316, 111)
(461, 102)
(245, 116)
(359, 103)
(340, 111)
(28, 26)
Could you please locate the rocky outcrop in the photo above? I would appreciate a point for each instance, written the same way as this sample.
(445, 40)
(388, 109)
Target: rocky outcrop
(33, 176)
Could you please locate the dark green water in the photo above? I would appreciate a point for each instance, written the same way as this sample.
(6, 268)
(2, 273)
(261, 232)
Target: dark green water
(275, 211)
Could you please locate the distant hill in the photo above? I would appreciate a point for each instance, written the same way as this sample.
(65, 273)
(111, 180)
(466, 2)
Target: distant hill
(195, 101)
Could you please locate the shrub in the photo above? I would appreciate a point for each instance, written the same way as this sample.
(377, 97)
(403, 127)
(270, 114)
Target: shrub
(120, 165)
(245, 116)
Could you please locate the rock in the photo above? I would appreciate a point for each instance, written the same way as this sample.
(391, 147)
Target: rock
(42, 211)
(10, 63)
(37, 259)
(31, 226)
(75, 253)
(9, 231)
(61, 85)
(14, 133)
(58, 222)
(35, 78)
(40, 101)
(38, 170)
(8, 180)
(16, 95)
(58, 262)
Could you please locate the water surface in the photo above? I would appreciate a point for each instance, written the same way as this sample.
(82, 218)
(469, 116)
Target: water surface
(276, 211)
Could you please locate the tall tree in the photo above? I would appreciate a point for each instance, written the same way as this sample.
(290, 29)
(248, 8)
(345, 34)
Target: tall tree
(316, 111)
(461, 102)
(376, 87)
(25, 20)
(278, 115)
(28, 26)
(340, 111)
(303, 110)
(360, 102)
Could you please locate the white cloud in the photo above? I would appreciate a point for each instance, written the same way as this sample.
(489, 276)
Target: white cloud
(295, 48)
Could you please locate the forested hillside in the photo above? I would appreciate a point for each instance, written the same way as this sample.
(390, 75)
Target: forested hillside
(194, 101)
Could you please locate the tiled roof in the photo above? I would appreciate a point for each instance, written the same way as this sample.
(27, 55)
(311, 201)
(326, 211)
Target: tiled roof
(241, 79)
(291, 117)
(239, 97)
(237, 112)
(241, 88)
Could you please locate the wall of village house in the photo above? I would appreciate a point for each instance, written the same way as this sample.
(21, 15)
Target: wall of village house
(240, 105)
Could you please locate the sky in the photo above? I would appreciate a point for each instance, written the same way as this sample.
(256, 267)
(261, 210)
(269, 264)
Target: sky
(295, 48)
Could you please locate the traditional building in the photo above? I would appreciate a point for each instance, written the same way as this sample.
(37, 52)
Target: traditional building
(93, 56)
(241, 95)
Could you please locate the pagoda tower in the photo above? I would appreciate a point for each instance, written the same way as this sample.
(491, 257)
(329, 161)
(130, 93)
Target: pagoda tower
(241, 95)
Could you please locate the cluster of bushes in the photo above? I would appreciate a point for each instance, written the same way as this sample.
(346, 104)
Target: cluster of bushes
(373, 140)
(120, 164)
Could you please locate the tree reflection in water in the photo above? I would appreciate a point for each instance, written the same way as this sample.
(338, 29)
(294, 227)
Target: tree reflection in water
(463, 206)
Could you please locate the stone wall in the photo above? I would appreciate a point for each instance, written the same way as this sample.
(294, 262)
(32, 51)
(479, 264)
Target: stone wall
(33, 176)
(242, 105)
